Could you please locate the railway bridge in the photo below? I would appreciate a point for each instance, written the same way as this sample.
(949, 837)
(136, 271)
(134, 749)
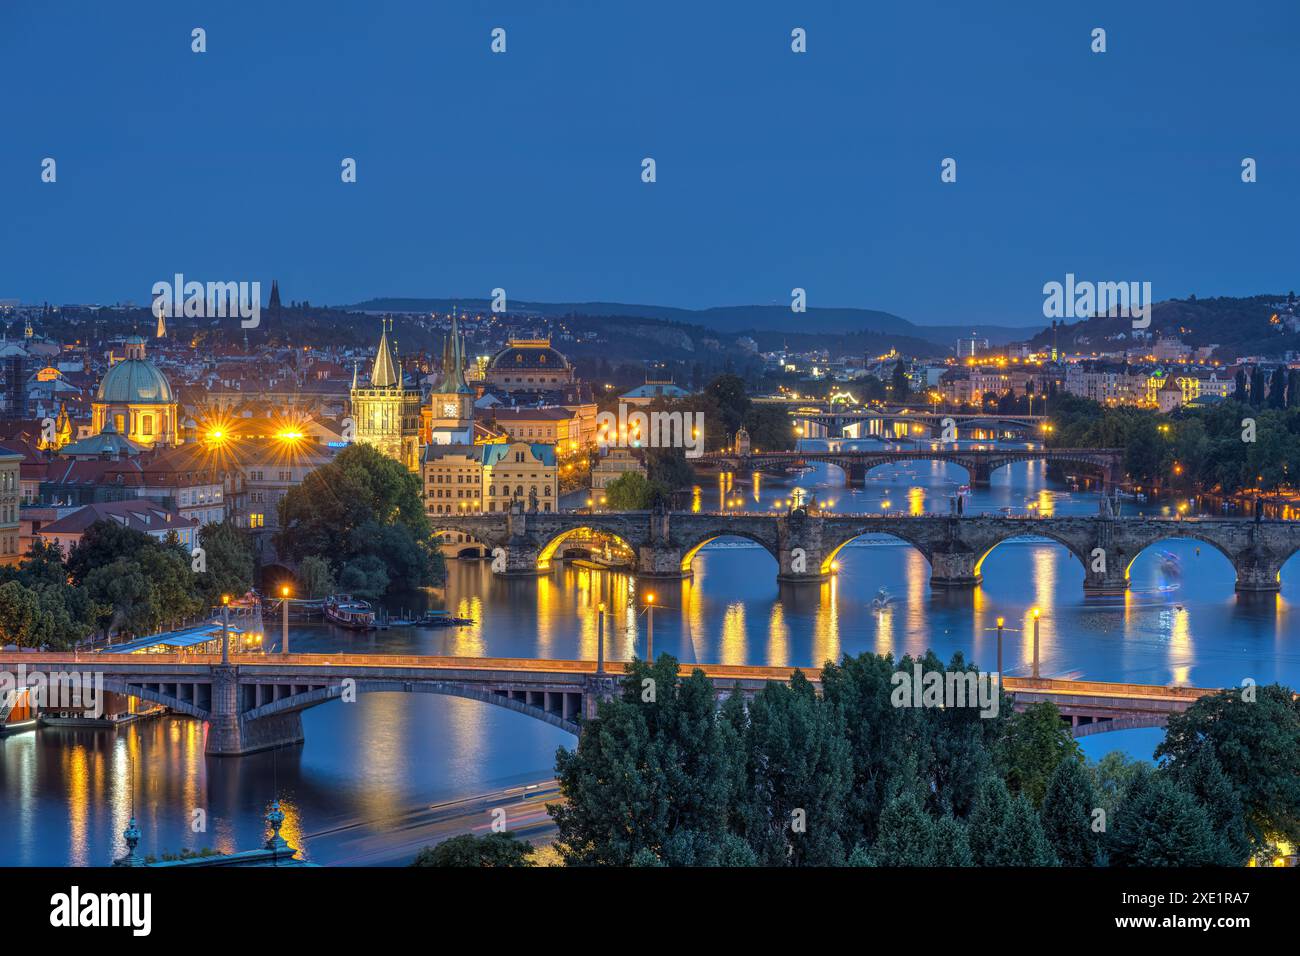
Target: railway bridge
(806, 543)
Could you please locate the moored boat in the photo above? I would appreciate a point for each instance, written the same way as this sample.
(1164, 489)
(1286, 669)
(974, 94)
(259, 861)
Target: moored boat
(349, 612)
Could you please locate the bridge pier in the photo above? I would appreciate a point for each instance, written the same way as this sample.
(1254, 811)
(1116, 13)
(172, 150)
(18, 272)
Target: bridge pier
(855, 475)
(229, 735)
(981, 475)
(660, 563)
(1257, 572)
(953, 566)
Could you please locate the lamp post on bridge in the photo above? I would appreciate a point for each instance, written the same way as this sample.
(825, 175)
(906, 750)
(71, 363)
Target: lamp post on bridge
(284, 619)
(1035, 671)
(600, 638)
(225, 628)
(1000, 628)
(650, 627)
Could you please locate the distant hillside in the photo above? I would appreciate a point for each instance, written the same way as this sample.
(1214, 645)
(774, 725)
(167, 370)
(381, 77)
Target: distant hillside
(730, 320)
(1239, 326)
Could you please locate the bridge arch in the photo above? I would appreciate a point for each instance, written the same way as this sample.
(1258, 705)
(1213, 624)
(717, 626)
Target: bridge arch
(531, 703)
(170, 701)
(690, 551)
(547, 552)
(1175, 534)
(831, 553)
(1069, 546)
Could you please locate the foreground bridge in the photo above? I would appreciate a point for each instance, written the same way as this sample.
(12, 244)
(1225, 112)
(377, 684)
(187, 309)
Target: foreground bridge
(806, 544)
(980, 464)
(255, 702)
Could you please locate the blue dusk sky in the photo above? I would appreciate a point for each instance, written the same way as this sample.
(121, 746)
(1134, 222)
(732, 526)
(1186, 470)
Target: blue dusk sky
(774, 169)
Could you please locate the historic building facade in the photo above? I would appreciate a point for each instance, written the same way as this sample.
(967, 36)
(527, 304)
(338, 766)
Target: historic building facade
(452, 399)
(385, 413)
(136, 398)
(528, 365)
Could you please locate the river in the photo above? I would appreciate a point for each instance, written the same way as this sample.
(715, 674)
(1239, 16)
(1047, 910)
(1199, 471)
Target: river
(361, 788)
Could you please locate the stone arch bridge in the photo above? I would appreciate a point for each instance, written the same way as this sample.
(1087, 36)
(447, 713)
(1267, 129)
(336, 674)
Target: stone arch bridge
(1106, 463)
(805, 545)
(255, 701)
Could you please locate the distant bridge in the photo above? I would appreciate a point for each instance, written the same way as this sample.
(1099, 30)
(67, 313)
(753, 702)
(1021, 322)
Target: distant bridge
(979, 463)
(255, 702)
(887, 422)
(806, 544)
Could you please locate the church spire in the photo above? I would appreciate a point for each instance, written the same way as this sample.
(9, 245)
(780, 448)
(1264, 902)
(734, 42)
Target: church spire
(384, 374)
(453, 362)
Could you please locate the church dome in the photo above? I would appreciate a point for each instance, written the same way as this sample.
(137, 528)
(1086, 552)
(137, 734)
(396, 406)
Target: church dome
(134, 382)
(529, 356)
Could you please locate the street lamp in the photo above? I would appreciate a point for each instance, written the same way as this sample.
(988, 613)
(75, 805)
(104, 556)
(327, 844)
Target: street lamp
(600, 638)
(284, 619)
(1035, 671)
(225, 628)
(1000, 623)
(650, 627)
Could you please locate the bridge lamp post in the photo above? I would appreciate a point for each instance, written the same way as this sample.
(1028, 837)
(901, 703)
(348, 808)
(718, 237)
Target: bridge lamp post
(1000, 623)
(225, 628)
(1035, 672)
(600, 638)
(284, 619)
(650, 627)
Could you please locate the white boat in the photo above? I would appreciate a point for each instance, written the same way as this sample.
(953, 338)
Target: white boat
(882, 600)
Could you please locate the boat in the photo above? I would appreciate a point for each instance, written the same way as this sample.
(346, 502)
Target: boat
(882, 600)
(1170, 564)
(443, 619)
(349, 612)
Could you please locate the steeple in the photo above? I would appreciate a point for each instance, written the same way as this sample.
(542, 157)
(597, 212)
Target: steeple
(384, 374)
(453, 363)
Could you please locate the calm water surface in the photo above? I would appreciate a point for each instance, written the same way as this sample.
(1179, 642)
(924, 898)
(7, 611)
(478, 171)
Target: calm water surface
(360, 788)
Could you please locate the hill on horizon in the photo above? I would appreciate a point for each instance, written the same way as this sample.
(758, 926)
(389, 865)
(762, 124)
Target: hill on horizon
(730, 320)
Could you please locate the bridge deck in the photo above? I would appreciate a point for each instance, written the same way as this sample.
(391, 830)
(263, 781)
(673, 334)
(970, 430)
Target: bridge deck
(268, 663)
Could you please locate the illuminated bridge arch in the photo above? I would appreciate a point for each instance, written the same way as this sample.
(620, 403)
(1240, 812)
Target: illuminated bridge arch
(832, 552)
(547, 552)
(689, 552)
(1031, 533)
(1177, 534)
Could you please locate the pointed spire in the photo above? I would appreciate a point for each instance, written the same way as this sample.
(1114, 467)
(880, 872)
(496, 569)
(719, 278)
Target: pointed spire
(453, 363)
(383, 375)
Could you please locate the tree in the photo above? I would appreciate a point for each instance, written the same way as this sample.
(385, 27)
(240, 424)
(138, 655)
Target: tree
(797, 776)
(656, 761)
(1204, 779)
(362, 505)
(315, 577)
(900, 383)
(633, 491)
(1277, 388)
(1160, 824)
(228, 555)
(491, 849)
(906, 835)
(1067, 815)
(1036, 743)
(952, 843)
(669, 468)
(1257, 744)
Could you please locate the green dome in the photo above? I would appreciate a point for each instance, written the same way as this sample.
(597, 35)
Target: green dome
(134, 382)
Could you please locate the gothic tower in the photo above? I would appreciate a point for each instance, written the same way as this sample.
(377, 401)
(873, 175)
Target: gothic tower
(453, 399)
(385, 413)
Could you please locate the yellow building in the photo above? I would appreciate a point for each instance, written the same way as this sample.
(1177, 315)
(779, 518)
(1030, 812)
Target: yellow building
(385, 413)
(553, 425)
(138, 400)
(10, 552)
(523, 472)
